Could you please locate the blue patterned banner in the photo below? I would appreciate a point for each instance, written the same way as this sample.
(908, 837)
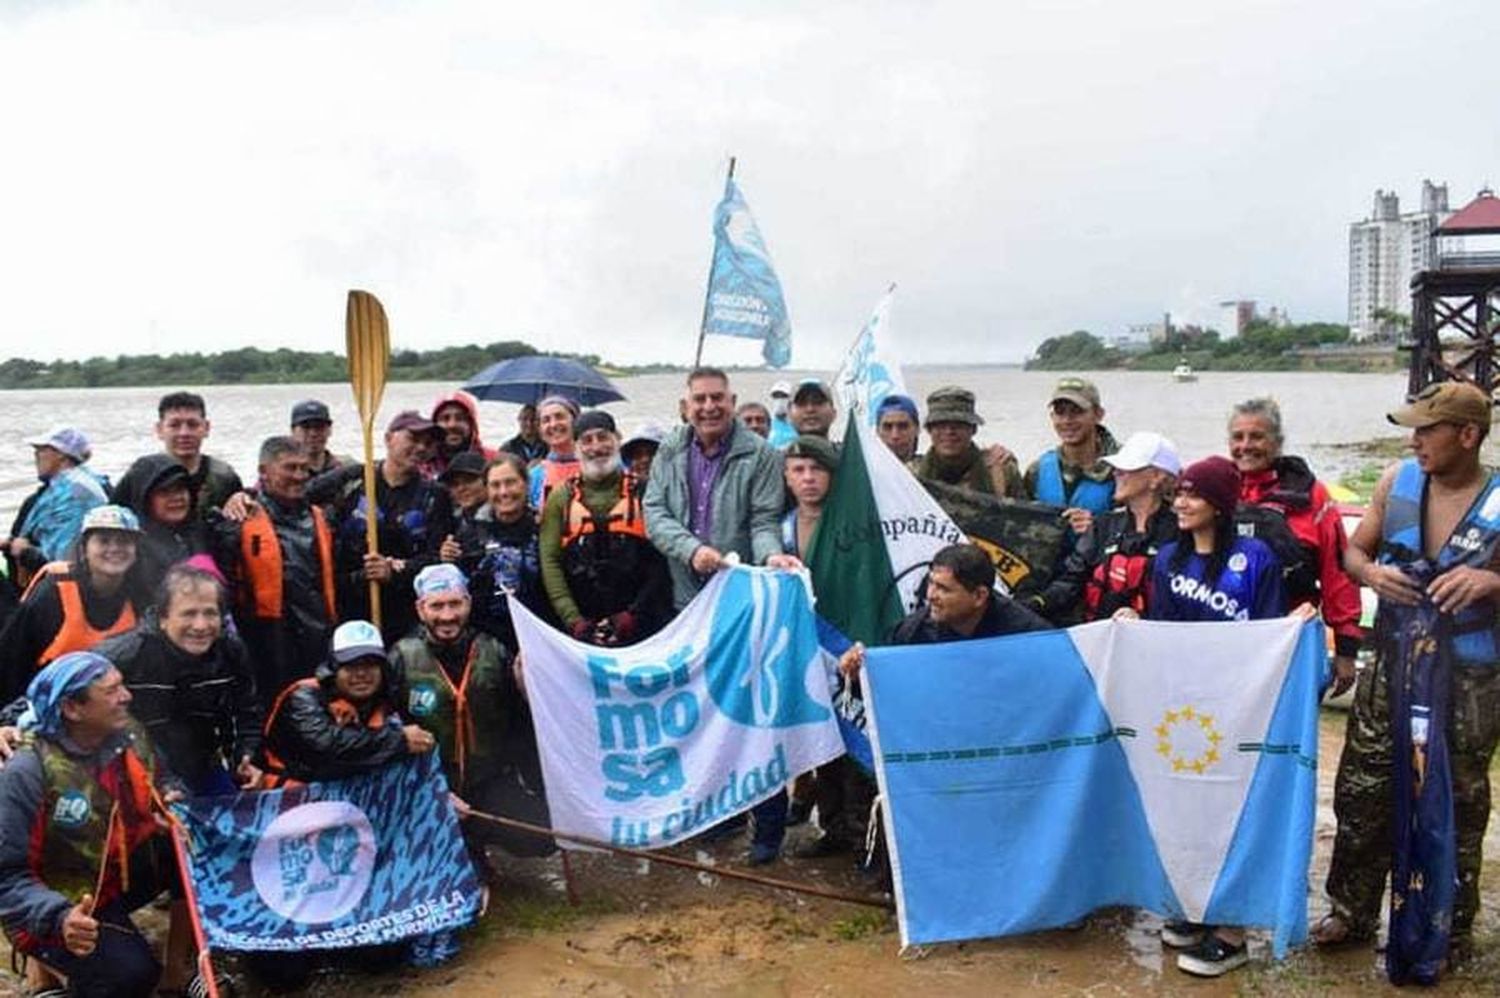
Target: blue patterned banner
(744, 294)
(357, 862)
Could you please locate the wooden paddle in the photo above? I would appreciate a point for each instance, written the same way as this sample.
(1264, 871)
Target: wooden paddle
(369, 348)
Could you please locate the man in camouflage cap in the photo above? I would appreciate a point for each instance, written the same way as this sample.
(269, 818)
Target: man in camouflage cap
(1427, 548)
(1074, 474)
(953, 458)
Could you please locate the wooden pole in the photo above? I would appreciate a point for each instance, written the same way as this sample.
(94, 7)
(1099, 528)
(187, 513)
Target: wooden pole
(686, 864)
(709, 290)
(368, 342)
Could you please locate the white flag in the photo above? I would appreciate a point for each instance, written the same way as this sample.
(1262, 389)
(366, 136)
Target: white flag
(870, 370)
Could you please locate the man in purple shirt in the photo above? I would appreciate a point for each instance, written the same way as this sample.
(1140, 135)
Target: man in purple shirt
(715, 489)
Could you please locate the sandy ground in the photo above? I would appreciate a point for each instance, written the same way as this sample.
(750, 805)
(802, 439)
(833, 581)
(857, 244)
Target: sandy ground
(648, 929)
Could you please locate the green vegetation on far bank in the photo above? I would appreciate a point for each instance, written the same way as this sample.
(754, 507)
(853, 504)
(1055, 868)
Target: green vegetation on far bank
(254, 366)
(1322, 346)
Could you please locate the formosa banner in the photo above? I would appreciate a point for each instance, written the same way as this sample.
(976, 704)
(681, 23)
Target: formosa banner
(652, 743)
(358, 862)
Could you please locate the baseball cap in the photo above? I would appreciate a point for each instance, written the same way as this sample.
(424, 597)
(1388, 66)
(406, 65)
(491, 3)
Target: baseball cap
(357, 639)
(467, 462)
(110, 517)
(440, 578)
(66, 441)
(647, 433)
(818, 385)
(1444, 402)
(782, 389)
(1146, 450)
(412, 421)
(900, 403)
(1080, 391)
(310, 411)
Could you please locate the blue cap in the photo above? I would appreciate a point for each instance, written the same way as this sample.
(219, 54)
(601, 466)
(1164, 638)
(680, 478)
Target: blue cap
(440, 578)
(902, 402)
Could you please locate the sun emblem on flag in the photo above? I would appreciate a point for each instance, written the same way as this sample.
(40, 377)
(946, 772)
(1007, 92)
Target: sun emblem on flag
(1188, 740)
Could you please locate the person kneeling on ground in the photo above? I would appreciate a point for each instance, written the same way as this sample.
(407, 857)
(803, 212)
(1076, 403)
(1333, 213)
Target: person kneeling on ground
(82, 792)
(962, 604)
(463, 684)
(341, 722)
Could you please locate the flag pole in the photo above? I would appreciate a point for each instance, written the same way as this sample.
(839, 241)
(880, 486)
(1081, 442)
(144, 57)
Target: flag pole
(709, 289)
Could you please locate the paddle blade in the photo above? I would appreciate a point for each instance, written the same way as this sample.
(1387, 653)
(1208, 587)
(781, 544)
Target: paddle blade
(368, 341)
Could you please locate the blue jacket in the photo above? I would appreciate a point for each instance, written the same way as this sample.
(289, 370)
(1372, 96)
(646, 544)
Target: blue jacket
(53, 521)
(1249, 587)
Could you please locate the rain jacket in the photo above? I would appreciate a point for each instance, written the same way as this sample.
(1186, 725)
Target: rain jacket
(439, 462)
(748, 497)
(52, 522)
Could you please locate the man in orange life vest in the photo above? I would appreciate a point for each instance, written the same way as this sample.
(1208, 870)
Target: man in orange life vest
(72, 606)
(279, 552)
(605, 580)
(79, 837)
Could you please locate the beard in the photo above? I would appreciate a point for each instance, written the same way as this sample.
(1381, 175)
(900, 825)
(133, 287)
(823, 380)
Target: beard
(599, 468)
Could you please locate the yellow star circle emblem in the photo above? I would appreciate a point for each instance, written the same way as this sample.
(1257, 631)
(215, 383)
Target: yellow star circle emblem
(1188, 717)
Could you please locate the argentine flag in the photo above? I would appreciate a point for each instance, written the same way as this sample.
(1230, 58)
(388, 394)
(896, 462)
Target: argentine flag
(1032, 779)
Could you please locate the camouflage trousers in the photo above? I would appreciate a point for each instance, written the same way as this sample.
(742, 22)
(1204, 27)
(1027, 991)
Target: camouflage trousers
(1362, 795)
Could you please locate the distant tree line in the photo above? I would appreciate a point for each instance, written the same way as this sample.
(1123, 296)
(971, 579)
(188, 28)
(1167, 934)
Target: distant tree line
(254, 366)
(1261, 346)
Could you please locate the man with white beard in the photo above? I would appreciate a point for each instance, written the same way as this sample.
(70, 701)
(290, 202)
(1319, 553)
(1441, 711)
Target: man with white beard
(606, 582)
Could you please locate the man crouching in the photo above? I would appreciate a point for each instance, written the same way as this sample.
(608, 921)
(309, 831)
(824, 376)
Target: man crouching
(80, 843)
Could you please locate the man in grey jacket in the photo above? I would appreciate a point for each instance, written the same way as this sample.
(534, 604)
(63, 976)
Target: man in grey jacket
(715, 489)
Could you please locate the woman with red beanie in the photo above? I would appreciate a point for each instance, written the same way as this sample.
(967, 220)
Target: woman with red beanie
(1210, 573)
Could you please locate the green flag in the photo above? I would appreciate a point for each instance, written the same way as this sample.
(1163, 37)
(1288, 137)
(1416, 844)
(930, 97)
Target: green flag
(851, 568)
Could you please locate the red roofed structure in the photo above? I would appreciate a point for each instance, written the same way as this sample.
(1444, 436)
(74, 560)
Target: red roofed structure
(1480, 217)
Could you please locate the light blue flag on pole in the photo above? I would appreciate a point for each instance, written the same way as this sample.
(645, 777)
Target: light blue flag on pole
(870, 370)
(744, 294)
(1032, 779)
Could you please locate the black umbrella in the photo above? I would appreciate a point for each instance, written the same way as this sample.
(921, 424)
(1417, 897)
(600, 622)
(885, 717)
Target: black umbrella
(530, 379)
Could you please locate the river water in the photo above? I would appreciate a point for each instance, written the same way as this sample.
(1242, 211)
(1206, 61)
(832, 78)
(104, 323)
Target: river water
(1321, 411)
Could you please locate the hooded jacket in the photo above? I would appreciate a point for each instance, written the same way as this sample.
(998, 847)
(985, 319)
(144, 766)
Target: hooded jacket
(439, 462)
(161, 545)
(52, 522)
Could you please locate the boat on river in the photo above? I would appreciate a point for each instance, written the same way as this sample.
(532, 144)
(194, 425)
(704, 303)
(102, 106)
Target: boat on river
(1184, 371)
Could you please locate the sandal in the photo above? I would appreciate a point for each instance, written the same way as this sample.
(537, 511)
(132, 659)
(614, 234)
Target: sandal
(1333, 932)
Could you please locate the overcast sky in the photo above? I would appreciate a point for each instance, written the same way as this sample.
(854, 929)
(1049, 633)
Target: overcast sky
(204, 174)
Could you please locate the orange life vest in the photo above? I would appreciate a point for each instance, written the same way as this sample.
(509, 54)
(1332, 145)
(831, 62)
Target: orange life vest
(344, 713)
(624, 517)
(261, 592)
(76, 633)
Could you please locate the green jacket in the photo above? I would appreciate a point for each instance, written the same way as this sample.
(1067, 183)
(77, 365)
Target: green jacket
(748, 498)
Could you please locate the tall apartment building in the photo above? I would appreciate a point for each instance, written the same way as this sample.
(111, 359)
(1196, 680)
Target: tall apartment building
(1385, 251)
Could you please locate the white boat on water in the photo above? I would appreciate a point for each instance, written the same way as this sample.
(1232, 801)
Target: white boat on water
(1183, 372)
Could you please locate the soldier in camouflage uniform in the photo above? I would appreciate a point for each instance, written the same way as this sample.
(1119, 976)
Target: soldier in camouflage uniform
(1450, 493)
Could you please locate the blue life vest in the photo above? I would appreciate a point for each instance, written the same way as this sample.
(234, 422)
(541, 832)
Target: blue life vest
(1472, 543)
(1096, 497)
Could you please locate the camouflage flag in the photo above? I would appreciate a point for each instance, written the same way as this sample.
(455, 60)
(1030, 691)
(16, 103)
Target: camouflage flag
(1024, 539)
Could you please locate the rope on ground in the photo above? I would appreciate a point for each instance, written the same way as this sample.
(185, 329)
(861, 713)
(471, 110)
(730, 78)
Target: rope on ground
(686, 864)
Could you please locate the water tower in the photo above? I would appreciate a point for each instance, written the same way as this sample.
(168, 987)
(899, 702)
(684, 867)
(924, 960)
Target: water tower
(1455, 307)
